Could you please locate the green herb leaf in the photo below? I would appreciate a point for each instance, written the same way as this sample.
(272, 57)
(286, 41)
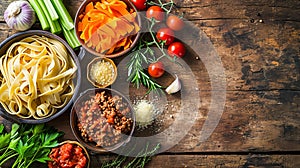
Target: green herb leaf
(14, 130)
(30, 143)
(22, 148)
(43, 159)
(38, 129)
(4, 140)
(1, 128)
(13, 144)
(50, 140)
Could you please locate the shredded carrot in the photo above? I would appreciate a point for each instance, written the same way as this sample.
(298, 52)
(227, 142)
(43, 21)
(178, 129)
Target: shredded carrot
(80, 26)
(89, 7)
(108, 26)
(80, 16)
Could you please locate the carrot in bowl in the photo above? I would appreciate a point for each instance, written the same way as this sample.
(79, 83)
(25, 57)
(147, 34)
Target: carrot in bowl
(107, 26)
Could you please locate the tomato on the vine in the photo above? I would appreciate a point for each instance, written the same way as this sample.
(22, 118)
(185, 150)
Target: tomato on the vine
(165, 34)
(156, 69)
(176, 49)
(155, 12)
(175, 23)
(139, 4)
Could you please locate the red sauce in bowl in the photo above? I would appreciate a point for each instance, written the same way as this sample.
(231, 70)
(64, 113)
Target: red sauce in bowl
(67, 156)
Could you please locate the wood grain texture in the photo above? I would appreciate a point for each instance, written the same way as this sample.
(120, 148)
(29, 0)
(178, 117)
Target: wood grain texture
(225, 161)
(258, 44)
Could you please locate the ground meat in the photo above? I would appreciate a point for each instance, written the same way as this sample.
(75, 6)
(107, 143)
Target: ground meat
(103, 119)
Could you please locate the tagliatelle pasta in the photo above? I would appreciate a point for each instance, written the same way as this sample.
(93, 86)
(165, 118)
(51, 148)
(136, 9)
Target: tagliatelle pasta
(36, 77)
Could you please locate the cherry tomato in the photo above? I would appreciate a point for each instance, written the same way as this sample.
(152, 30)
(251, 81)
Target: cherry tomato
(176, 49)
(156, 69)
(139, 4)
(175, 23)
(165, 34)
(155, 12)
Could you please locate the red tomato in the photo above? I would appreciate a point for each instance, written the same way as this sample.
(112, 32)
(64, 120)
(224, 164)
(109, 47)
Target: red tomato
(139, 4)
(155, 12)
(156, 69)
(176, 49)
(165, 34)
(175, 23)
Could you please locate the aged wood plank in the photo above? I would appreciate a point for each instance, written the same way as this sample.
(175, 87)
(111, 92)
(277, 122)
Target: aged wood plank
(208, 9)
(212, 3)
(251, 121)
(225, 161)
(293, 4)
(217, 160)
(256, 56)
(206, 161)
(227, 10)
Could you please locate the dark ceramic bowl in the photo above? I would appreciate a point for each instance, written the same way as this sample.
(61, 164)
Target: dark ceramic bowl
(21, 35)
(76, 112)
(114, 54)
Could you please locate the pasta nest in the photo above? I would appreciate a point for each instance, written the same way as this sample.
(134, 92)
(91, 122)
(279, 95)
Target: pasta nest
(36, 77)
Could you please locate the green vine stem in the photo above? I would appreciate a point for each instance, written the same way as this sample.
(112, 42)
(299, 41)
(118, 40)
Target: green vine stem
(167, 7)
(138, 58)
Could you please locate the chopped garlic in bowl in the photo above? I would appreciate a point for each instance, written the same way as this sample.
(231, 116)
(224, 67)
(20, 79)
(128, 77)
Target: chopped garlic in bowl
(101, 72)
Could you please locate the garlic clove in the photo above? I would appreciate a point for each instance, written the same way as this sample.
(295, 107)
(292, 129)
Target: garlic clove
(174, 87)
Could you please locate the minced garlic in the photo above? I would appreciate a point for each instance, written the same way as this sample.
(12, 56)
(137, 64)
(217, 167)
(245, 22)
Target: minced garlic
(102, 72)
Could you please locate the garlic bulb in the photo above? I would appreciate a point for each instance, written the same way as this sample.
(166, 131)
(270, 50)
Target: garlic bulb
(19, 15)
(174, 87)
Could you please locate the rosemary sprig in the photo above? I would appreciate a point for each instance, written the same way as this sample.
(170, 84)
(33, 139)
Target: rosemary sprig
(136, 71)
(143, 54)
(142, 158)
(138, 58)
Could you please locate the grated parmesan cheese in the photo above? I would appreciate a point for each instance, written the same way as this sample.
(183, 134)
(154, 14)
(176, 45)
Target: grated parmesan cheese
(144, 113)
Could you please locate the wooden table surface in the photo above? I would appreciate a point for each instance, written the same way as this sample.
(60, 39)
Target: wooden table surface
(258, 42)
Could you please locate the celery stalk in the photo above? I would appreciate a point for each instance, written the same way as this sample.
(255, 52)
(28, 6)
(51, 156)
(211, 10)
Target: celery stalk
(40, 14)
(74, 38)
(68, 37)
(64, 15)
(53, 27)
(53, 14)
(57, 27)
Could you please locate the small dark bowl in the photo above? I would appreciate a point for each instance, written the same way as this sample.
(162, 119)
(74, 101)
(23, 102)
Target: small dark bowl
(21, 35)
(114, 54)
(86, 95)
